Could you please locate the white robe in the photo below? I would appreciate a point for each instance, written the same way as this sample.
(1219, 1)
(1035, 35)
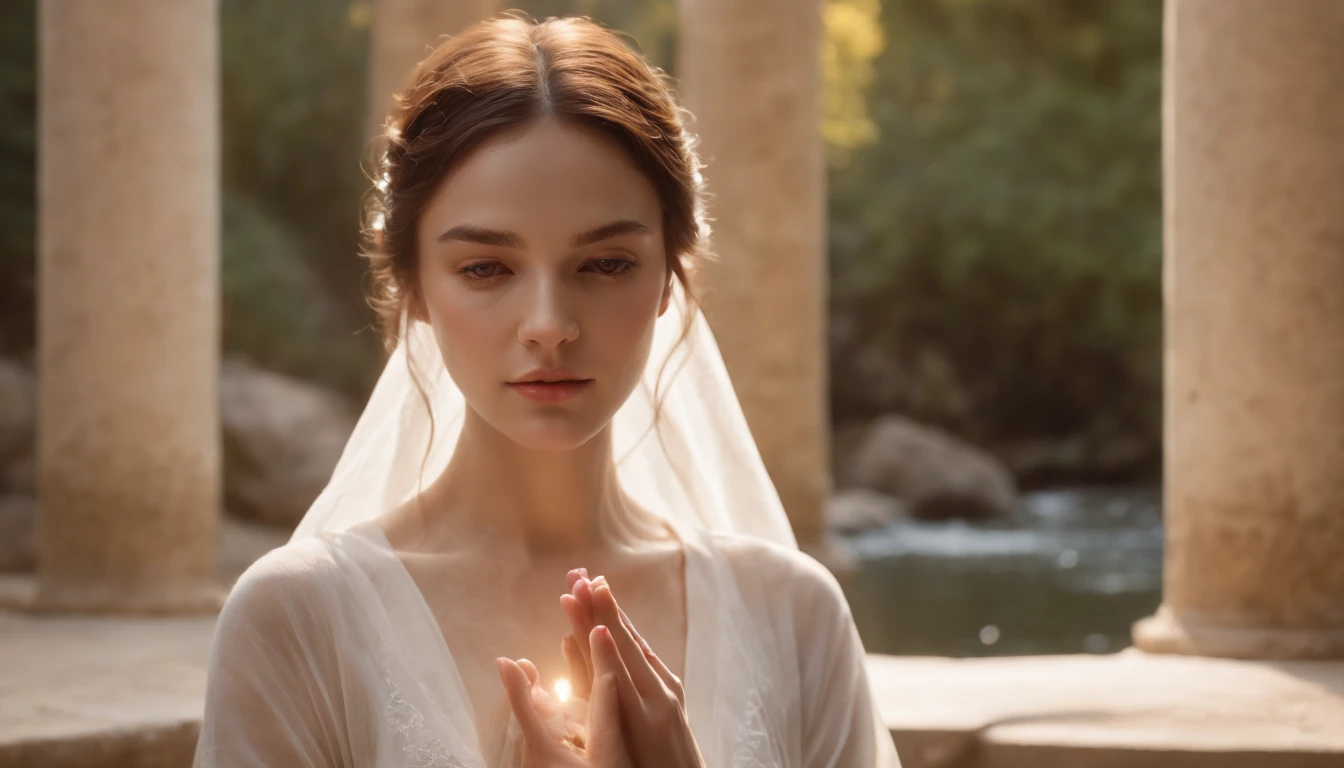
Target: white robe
(327, 654)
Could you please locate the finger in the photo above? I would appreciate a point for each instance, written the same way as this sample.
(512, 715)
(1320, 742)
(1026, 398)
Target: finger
(574, 575)
(581, 681)
(579, 627)
(605, 745)
(605, 609)
(550, 711)
(607, 661)
(519, 690)
(533, 676)
(580, 618)
(669, 679)
(583, 592)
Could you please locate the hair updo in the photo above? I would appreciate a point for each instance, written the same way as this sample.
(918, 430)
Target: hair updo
(509, 72)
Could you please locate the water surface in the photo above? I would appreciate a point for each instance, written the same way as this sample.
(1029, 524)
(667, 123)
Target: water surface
(1070, 573)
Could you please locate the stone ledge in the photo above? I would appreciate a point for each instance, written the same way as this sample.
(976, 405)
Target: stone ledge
(1124, 709)
(86, 691)
(89, 692)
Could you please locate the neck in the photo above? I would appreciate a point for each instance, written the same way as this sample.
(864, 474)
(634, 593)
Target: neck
(544, 502)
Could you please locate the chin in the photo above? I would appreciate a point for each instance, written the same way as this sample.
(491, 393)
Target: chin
(554, 434)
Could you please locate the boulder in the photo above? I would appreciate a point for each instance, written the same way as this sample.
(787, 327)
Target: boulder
(282, 439)
(859, 509)
(20, 476)
(241, 543)
(18, 531)
(18, 411)
(934, 475)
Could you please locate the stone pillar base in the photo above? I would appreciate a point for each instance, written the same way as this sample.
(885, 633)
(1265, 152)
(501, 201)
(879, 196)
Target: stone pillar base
(173, 600)
(1166, 632)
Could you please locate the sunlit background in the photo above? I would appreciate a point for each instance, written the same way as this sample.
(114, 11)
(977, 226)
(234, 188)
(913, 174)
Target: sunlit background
(994, 248)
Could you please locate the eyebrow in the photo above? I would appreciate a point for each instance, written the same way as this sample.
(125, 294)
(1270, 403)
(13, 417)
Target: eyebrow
(496, 237)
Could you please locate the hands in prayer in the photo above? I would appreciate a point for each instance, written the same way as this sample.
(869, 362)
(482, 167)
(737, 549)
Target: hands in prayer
(626, 708)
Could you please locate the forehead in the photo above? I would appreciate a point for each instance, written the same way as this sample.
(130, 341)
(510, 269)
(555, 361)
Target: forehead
(548, 179)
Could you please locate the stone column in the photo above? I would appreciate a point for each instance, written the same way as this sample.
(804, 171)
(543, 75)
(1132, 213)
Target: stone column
(404, 32)
(1254, 283)
(128, 298)
(751, 75)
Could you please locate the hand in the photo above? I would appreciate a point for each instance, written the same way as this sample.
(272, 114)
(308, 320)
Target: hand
(571, 734)
(652, 701)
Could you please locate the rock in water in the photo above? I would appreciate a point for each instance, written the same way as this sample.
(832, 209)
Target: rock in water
(935, 475)
(860, 509)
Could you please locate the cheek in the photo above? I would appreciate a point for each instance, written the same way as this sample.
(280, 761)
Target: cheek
(625, 332)
(466, 328)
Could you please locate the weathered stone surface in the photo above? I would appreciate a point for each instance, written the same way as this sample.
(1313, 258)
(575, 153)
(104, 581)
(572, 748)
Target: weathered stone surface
(934, 474)
(1254, 289)
(119, 692)
(282, 438)
(85, 691)
(1113, 711)
(128, 296)
(751, 74)
(404, 32)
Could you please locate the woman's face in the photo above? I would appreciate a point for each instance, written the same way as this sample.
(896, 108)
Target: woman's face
(543, 271)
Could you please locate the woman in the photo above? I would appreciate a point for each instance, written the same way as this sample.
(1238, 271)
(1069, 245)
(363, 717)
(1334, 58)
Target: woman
(553, 408)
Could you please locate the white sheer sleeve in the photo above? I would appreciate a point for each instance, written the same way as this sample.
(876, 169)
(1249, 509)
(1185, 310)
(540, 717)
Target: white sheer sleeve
(842, 726)
(797, 633)
(274, 695)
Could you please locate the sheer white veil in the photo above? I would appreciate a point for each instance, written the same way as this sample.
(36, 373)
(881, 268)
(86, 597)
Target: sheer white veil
(695, 463)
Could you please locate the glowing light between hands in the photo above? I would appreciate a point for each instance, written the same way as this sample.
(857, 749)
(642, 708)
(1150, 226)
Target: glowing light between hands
(562, 690)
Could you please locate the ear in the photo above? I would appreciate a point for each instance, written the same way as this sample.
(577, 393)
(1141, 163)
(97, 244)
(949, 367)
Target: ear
(667, 295)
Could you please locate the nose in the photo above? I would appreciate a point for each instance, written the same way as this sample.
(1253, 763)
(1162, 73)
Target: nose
(547, 320)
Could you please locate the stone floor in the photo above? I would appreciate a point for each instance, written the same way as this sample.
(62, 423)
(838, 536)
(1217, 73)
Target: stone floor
(1126, 709)
(82, 691)
(90, 691)
(127, 692)
(109, 692)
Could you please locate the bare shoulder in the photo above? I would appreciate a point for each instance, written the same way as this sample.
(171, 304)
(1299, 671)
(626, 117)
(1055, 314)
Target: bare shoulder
(786, 572)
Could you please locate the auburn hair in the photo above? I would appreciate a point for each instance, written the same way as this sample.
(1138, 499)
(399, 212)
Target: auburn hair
(509, 72)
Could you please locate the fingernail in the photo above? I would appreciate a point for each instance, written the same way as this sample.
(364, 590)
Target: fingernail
(583, 572)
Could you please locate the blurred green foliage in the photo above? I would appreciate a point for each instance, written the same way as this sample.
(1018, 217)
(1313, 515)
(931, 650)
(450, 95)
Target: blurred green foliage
(275, 310)
(995, 254)
(994, 203)
(294, 96)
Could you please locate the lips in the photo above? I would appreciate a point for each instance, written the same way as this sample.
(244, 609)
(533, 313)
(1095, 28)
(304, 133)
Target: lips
(550, 386)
